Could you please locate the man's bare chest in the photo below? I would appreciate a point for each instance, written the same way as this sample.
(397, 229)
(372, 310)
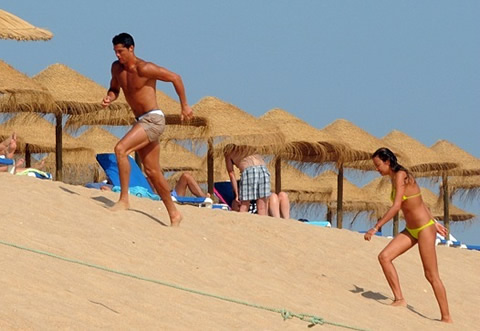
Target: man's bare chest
(131, 81)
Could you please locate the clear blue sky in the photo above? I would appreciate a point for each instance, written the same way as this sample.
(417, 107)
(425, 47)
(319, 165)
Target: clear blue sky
(408, 65)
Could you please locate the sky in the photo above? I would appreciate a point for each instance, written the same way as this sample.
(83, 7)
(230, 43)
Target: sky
(409, 65)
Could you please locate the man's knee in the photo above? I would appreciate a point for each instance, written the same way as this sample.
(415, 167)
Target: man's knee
(120, 149)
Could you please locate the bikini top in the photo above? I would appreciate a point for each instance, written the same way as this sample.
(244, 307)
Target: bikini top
(404, 197)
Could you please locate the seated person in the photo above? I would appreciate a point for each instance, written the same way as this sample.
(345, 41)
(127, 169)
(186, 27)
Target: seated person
(278, 205)
(187, 181)
(7, 150)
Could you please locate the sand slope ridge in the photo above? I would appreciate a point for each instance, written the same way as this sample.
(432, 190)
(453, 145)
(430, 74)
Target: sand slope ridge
(280, 264)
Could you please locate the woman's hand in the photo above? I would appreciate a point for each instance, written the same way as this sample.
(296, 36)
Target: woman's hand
(370, 233)
(441, 230)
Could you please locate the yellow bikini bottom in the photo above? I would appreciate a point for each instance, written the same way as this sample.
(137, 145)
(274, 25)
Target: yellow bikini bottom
(415, 232)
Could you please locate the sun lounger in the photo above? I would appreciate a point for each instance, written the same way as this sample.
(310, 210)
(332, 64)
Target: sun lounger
(139, 184)
(9, 163)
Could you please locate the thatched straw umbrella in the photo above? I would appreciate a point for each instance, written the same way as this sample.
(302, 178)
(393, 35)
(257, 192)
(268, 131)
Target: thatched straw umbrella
(125, 117)
(381, 189)
(303, 142)
(228, 124)
(358, 140)
(38, 136)
(422, 159)
(18, 92)
(465, 186)
(355, 199)
(469, 165)
(73, 94)
(13, 27)
(174, 157)
(300, 187)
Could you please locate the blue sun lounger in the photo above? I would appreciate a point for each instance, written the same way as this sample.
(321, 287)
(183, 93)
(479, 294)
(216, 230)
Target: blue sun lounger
(139, 185)
(9, 163)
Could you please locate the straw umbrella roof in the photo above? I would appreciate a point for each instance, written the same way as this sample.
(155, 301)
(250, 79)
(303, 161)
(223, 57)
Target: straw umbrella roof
(229, 124)
(355, 199)
(174, 157)
(381, 190)
(39, 135)
(74, 93)
(303, 142)
(422, 158)
(13, 27)
(18, 92)
(468, 164)
(300, 187)
(98, 139)
(357, 140)
(125, 117)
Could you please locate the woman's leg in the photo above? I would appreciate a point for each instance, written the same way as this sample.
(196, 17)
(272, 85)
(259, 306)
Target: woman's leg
(426, 247)
(187, 181)
(273, 205)
(399, 245)
(284, 205)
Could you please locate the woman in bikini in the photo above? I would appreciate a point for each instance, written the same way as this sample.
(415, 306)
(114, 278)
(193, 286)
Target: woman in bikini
(420, 228)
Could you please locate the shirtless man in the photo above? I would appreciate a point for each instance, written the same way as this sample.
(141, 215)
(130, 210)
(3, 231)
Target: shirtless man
(137, 78)
(254, 178)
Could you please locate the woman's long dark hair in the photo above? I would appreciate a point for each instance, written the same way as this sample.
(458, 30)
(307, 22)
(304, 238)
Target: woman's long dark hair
(385, 155)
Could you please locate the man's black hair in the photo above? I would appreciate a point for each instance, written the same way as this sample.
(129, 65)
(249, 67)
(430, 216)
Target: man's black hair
(123, 38)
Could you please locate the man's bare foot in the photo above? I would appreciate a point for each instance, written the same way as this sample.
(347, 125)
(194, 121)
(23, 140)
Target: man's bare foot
(176, 219)
(120, 205)
(399, 303)
(446, 319)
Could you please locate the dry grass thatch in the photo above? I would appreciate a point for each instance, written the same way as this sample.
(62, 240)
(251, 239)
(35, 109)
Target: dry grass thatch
(74, 93)
(362, 143)
(469, 165)
(304, 142)
(228, 124)
(466, 187)
(422, 159)
(39, 134)
(174, 157)
(19, 93)
(13, 27)
(98, 139)
(125, 117)
(355, 199)
(300, 187)
(377, 188)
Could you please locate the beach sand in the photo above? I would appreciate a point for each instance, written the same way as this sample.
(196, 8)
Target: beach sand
(270, 263)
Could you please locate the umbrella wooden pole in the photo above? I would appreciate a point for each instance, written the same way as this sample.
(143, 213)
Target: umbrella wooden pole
(395, 224)
(340, 197)
(446, 201)
(278, 175)
(210, 167)
(28, 156)
(329, 215)
(58, 148)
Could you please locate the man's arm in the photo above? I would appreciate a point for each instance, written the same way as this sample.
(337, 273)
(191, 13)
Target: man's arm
(114, 89)
(154, 71)
(231, 174)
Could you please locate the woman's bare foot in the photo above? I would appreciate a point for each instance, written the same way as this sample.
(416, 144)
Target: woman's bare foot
(399, 303)
(176, 219)
(19, 163)
(120, 205)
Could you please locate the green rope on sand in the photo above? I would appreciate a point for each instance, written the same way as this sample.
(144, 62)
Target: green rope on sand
(313, 320)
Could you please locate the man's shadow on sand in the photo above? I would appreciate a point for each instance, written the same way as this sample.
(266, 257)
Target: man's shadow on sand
(379, 297)
(109, 203)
